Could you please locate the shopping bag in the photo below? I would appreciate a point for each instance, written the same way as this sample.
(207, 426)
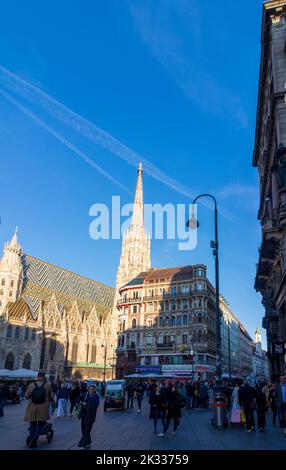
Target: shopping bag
(235, 417)
(78, 410)
(242, 417)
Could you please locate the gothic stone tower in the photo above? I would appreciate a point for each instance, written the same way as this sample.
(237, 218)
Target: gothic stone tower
(11, 273)
(135, 256)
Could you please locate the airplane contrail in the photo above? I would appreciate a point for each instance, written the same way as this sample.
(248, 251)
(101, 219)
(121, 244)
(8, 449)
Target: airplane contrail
(61, 139)
(87, 129)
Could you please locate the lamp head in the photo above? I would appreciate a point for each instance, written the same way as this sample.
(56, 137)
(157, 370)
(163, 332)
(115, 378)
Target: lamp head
(193, 223)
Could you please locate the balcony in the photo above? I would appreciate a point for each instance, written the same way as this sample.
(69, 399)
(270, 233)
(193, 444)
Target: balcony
(165, 346)
(177, 295)
(129, 301)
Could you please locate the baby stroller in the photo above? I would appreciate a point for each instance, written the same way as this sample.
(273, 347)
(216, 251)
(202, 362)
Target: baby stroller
(46, 431)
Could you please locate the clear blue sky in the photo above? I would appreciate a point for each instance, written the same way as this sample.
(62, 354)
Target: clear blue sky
(174, 80)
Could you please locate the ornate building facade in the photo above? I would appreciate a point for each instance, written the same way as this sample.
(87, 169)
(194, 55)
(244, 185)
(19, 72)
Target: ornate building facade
(270, 159)
(53, 319)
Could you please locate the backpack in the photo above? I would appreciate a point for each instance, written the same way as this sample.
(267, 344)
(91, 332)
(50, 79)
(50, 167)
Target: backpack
(38, 395)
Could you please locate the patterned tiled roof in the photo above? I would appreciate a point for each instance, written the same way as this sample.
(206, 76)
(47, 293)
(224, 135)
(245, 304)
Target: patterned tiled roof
(42, 279)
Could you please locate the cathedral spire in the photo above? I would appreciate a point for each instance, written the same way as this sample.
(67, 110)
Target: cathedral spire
(135, 256)
(138, 208)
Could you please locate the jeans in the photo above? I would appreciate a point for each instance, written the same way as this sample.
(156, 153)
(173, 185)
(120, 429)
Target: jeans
(130, 401)
(62, 405)
(189, 402)
(168, 421)
(281, 415)
(35, 429)
(249, 418)
(156, 421)
(139, 400)
(73, 403)
(261, 417)
(2, 404)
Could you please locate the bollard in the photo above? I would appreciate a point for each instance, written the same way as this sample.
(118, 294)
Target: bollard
(219, 420)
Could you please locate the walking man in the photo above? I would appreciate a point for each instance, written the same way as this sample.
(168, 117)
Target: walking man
(88, 416)
(130, 395)
(63, 396)
(246, 397)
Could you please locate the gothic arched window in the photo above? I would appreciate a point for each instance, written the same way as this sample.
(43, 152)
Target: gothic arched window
(12, 283)
(33, 336)
(93, 352)
(9, 362)
(53, 347)
(185, 320)
(27, 333)
(17, 332)
(9, 331)
(173, 321)
(74, 351)
(27, 361)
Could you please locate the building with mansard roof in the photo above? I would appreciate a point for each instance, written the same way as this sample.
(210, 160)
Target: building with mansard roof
(53, 319)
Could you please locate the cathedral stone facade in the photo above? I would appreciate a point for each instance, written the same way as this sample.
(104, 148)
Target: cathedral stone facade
(53, 319)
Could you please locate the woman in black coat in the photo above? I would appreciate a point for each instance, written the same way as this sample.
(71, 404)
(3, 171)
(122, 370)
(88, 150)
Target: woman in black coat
(157, 406)
(173, 412)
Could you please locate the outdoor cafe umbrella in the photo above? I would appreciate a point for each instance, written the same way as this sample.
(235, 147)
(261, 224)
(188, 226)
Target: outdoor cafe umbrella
(22, 374)
(4, 372)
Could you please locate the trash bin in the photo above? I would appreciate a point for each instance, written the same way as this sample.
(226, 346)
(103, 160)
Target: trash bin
(219, 420)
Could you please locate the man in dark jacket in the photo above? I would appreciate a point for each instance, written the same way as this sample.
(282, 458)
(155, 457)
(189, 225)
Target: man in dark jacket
(280, 398)
(88, 415)
(4, 397)
(173, 411)
(246, 396)
(130, 395)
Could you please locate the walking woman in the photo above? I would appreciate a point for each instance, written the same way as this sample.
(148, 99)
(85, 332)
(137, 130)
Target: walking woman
(273, 404)
(173, 412)
(157, 407)
(88, 415)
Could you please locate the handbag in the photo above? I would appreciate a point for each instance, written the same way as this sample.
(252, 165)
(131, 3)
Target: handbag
(235, 416)
(242, 417)
(79, 408)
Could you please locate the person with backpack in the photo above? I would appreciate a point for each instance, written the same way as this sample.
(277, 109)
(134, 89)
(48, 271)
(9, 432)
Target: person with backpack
(39, 394)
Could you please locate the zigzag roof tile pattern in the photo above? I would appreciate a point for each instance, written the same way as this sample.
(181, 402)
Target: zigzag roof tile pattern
(65, 284)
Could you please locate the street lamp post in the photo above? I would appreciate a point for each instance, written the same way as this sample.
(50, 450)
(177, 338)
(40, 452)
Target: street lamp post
(193, 223)
(229, 352)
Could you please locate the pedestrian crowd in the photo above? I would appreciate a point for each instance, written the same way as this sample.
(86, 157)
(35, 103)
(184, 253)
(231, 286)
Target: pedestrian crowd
(247, 403)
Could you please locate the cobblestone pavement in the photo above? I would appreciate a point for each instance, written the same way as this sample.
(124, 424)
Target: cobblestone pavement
(127, 430)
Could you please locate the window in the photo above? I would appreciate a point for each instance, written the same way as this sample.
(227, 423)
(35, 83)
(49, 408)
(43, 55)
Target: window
(161, 338)
(161, 321)
(150, 308)
(173, 290)
(3, 282)
(148, 360)
(185, 320)
(1, 292)
(133, 340)
(9, 331)
(27, 331)
(93, 352)
(149, 339)
(185, 304)
(10, 293)
(173, 321)
(167, 321)
(173, 305)
(12, 283)
(33, 336)
(185, 289)
(185, 338)
(133, 323)
(199, 318)
(53, 347)
(27, 361)
(9, 362)
(134, 308)
(150, 323)
(17, 332)
(74, 351)
(179, 320)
